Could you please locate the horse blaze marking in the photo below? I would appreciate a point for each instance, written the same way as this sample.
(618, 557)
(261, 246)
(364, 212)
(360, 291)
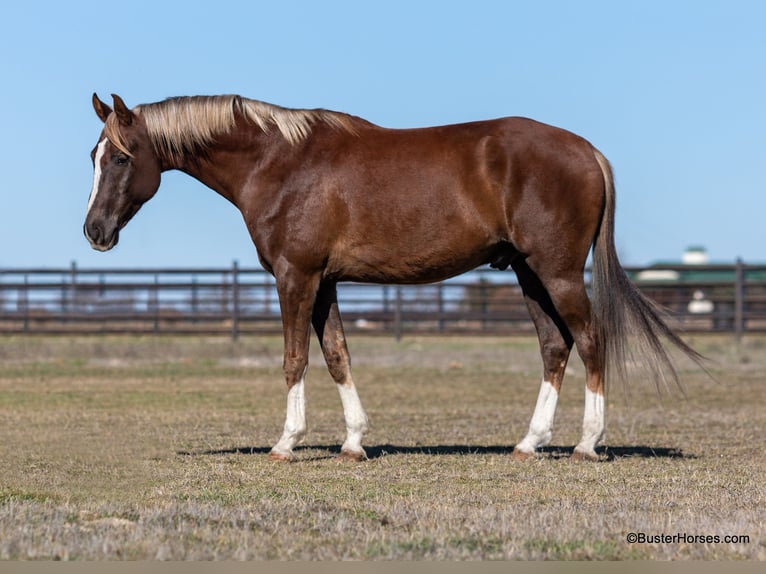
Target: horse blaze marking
(97, 172)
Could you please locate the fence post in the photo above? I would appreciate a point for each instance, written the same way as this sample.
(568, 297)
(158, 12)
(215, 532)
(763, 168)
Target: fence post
(234, 300)
(440, 306)
(398, 314)
(156, 303)
(25, 303)
(73, 286)
(739, 300)
(194, 299)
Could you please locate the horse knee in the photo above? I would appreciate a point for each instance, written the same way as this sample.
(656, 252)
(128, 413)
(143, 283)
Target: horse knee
(294, 369)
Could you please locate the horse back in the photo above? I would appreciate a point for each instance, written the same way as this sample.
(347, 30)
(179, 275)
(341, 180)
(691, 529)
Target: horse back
(419, 205)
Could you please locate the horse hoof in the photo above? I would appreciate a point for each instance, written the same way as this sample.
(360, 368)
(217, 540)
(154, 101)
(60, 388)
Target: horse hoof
(281, 456)
(521, 455)
(579, 455)
(351, 456)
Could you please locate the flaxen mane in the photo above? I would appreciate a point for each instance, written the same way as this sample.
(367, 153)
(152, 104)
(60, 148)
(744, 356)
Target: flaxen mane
(181, 125)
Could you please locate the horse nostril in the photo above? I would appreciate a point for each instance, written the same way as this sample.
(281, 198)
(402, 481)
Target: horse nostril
(93, 232)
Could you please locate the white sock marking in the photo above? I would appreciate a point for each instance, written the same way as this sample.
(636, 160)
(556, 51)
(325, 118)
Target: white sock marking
(295, 421)
(96, 173)
(356, 418)
(541, 426)
(592, 422)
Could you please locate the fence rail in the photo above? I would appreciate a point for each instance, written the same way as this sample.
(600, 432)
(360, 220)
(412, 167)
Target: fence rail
(236, 301)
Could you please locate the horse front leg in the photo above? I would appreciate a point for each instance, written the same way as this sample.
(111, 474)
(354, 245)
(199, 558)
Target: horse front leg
(297, 294)
(329, 329)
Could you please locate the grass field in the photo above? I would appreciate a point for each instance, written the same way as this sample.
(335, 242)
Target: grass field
(156, 448)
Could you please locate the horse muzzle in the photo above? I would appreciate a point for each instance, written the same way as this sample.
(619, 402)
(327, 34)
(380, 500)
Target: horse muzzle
(101, 237)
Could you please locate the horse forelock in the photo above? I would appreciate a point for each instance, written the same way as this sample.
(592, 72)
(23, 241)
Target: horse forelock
(181, 125)
(114, 134)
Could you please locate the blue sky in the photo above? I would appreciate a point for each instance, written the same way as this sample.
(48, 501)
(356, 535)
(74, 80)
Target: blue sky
(673, 92)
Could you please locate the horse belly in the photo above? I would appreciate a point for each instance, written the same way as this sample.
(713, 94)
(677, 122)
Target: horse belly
(418, 251)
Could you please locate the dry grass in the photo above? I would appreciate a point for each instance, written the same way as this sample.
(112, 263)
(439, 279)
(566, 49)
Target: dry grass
(155, 448)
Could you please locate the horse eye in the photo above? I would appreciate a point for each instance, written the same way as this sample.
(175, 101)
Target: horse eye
(121, 159)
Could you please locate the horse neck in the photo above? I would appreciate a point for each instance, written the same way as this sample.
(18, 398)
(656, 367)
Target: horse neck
(232, 161)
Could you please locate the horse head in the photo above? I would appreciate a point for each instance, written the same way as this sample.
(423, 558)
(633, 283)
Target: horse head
(126, 173)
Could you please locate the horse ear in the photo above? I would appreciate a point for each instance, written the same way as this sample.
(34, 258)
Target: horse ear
(102, 110)
(123, 113)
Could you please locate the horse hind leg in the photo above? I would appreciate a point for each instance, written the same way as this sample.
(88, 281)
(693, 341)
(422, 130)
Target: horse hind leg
(571, 300)
(329, 329)
(555, 346)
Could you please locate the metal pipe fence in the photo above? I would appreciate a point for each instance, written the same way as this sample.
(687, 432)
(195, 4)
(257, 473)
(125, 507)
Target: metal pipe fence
(238, 301)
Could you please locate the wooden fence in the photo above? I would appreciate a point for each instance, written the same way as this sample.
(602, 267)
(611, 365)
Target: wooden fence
(236, 301)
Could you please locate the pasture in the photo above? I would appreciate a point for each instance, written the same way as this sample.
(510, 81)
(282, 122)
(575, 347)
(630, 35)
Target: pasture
(157, 448)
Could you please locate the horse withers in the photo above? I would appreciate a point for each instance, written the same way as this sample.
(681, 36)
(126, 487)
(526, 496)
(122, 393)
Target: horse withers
(329, 197)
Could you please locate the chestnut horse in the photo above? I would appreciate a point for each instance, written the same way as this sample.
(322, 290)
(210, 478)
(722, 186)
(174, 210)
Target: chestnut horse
(330, 197)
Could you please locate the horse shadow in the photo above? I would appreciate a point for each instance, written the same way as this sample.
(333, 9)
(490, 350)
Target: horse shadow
(606, 453)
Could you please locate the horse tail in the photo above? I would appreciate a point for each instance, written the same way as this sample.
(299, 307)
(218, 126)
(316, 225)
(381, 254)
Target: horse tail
(621, 312)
